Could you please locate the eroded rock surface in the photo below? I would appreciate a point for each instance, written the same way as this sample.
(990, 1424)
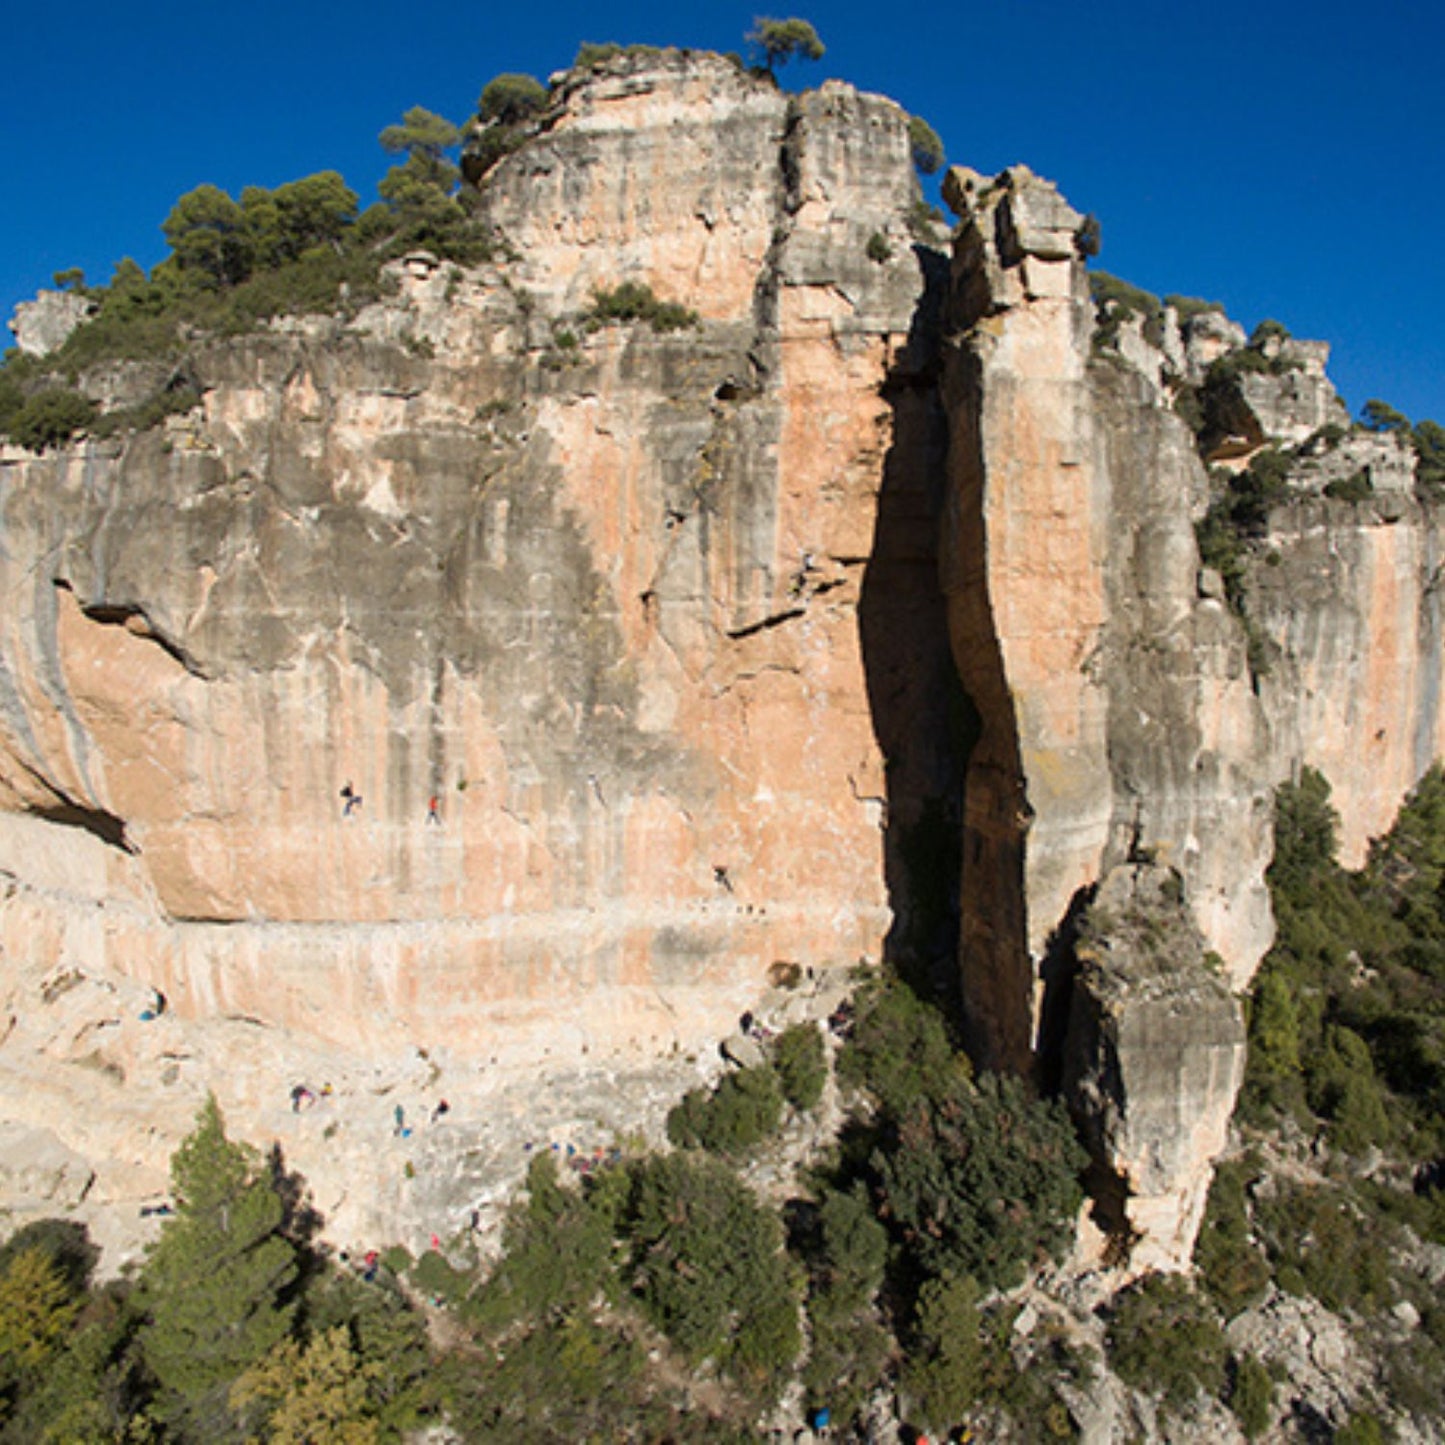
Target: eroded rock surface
(598, 594)
(1153, 1060)
(1116, 702)
(468, 696)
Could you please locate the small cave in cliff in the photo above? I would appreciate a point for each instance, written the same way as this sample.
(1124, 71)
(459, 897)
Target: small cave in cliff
(105, 826)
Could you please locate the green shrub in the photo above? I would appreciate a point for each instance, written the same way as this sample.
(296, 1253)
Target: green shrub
(943, 1372)
(556, 1247)
(853, 1247)
(589, 56)
(172, 401)
(899, 1049)
(878, 248)
(50, 417)
(982, 1180)
(1163, 1340)
(1357, 488)
(510, 99)
(801, 1062)
(433, 1275)
(1251, 1396)
(1321, 1244)
(745, 1108)
(1361, 1428)
(1188, 307)
(924, 145)
(708, 1267)
(1231, 1267)
(1268, 330)
(635, 301)
(1115, 301)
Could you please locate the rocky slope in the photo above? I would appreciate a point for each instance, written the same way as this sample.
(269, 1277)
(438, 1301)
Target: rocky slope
(656, 660)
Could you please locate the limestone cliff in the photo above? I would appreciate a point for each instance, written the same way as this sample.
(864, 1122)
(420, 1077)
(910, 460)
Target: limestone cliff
(623, 603)
(468, 697)
(1131, 710)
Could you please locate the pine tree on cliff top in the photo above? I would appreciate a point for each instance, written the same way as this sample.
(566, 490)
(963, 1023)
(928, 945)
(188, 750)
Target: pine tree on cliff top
(215, 1283)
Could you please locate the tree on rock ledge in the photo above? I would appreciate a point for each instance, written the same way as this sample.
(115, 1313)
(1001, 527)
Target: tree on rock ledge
(215, 1284)
(781, 40)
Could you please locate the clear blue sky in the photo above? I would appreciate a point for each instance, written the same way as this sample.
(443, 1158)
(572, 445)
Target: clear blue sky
(1287, 159)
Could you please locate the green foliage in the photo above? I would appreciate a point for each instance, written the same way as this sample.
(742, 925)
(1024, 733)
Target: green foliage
(1356, 488)
(924, 222)
(434, 1276)
(50, 417)
(801, 1061)
(846, 1249)
(1251, 1396)
(943, 1372)
(286, 223)
(66, 1245)
(745, 1108)
(1347, 1028)
(423, 133)
(589, 55)
(1186, 308)
(37, 1308)
(313, 1394)
(510, 99)
(706, 1262)
(556, 1247)
(1267, 331)
(1164, 1340)
(1380, 416)
(781, 40)
(1429, 438)
(215, 1284)
(90, 1389)
(1232, 1269)
(899, 1049)
(1362, 1428)
(1320, 1244)
(878, 248)
(925, 146)
(388, 1342)
(1115, 302)
(572, 1379)
(170, 401)
(853, 1249)
(983, 1180)
(634, 301)
(209, 236)
(1343, 1089)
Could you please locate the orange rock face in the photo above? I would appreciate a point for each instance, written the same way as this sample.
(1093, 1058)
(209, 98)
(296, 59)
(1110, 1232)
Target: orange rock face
(471, 677)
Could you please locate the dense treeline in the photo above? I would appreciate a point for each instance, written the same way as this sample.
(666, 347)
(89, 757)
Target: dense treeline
(648, 1297)
(1340, 1181)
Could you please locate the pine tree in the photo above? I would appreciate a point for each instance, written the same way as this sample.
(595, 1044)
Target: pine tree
(216, 1282)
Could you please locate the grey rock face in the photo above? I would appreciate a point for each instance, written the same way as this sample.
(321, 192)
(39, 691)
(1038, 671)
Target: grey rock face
(1153, 1058)
(1116, 707)
(43, 325)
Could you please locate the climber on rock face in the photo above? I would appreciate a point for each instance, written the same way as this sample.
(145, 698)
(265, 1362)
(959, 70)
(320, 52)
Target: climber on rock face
(352, 801)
